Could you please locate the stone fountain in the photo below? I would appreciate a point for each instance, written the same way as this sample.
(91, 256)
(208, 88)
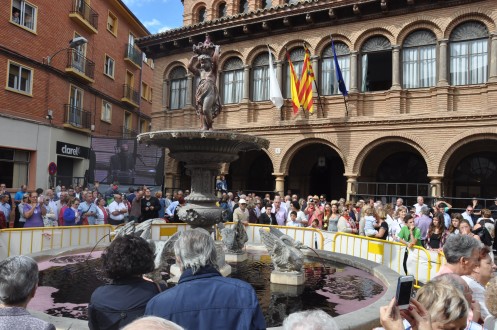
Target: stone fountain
(204, 150)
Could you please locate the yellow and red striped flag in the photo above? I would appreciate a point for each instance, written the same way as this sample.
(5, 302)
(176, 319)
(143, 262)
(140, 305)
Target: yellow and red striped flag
(294, 86)
(305, 85)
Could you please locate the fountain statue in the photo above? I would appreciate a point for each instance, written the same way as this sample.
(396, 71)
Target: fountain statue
(286, 257)
(234, 240)
(204, 65)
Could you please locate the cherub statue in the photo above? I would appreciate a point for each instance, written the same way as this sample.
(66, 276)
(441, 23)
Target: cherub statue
(204, 64)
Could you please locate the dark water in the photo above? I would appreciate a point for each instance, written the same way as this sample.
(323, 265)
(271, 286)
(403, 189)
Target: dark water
(334, 288)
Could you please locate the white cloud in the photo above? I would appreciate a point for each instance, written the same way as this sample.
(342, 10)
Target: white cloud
(164, 29)
(152, 23)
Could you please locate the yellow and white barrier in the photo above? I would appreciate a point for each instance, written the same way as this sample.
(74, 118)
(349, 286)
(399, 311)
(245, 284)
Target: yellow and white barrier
(17, 241)
(421, 263)
(162, 232)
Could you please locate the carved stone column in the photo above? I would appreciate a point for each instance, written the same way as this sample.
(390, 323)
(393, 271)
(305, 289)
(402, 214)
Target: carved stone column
(353, 72)
(396, 68)
(493, 59)
(246, 83)
(189, 90)
(442, 72)
(436, 185)
(351, 185)
(280, 184)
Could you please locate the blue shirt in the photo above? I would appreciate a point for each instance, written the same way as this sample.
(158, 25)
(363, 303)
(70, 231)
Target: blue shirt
(172, 207)
(85, 208)
(5, 208)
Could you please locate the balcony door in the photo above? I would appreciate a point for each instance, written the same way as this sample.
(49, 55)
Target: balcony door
(76, 106)
(78, 56)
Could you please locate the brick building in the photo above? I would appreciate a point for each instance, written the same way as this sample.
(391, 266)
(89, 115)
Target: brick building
(57, 97)
(422, 77)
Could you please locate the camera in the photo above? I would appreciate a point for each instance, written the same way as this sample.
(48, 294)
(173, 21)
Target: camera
(311, 200)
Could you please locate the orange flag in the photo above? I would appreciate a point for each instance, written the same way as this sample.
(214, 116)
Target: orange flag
(294, 86)
(305, 85)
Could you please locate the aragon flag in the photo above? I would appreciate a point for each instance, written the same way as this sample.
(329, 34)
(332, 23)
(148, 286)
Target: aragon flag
(294, 86)
(305, 85)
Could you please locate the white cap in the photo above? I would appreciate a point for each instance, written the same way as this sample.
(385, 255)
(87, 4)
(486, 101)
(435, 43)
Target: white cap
(242, 201)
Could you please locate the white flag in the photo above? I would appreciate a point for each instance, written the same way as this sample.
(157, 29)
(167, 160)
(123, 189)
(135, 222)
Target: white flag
(274, 88)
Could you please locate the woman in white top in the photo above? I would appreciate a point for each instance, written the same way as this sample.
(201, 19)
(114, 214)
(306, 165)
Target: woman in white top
(397, 223)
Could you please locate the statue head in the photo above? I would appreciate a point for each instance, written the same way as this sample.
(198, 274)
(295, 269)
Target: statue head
(205, 62)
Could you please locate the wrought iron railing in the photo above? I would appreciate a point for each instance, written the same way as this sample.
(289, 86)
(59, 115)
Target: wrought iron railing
(133, 54)
(88, 13)
(128, 132)
(77, 117)
(131, 94)
(77, 61)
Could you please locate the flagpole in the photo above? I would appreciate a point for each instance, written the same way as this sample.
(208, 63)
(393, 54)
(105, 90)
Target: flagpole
(344, 99)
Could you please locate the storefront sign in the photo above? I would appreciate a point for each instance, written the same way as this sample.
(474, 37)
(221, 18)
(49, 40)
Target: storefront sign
(72, 150)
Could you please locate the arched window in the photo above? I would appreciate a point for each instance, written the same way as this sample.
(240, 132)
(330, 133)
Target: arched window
(419, 59)
(244, 6)
(177, 81)
(297, 57)
(376, 66)
(260, 77)
(266, 4)
(201, 15)
(221, 10)
(329, 82)
(469, 54)
(232, 80)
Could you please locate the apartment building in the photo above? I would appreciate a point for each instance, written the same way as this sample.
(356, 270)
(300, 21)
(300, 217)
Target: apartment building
(70, 72)
(420, 117)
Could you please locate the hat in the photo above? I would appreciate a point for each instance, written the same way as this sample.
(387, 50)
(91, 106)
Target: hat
(242, 201)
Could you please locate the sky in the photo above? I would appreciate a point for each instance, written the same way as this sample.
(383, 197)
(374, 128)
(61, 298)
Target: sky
(157, 15)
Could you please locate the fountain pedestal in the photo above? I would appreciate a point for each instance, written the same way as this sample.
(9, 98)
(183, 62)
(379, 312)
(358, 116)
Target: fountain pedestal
(287, 278)
(235, 257)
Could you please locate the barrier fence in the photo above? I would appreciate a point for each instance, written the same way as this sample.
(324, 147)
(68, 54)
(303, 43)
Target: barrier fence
(421, 263)
(17, 241)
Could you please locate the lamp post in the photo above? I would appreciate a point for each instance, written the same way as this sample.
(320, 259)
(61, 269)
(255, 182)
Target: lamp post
(73, 43)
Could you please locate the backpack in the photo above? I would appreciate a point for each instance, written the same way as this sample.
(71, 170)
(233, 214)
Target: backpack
(484, 235)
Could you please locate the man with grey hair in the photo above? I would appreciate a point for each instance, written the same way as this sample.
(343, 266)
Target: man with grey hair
(462, 253)
(18, 283)
(310, 320)
(152, 323)
(203, 298)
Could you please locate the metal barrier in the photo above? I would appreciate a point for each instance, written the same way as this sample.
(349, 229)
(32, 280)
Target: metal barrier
(308, 236)
(162, 232)
(421, 263)
(17, 241)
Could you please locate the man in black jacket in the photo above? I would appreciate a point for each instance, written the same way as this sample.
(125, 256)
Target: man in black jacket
(150, 206)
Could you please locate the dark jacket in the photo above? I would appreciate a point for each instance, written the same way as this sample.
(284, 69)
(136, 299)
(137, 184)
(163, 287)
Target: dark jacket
(150, 214)
(208, 300)
(264, 219)
(113, 306)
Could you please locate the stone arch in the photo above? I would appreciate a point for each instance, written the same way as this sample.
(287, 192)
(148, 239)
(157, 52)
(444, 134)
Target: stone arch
(470, 15)
(289, 45)
(365, 149)
(421, 24)
(195, 10)
(171, 66)
(461, 139)
(214, 8)
(227, 55)
(325, 42)
(256, 51)
(297, 144)
(370, 33)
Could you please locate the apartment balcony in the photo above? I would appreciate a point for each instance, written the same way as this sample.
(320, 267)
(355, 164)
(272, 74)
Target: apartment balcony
(84, 16)
(79, 66)
(76, 118)
(133, 55)
(131, 96)
(128, 133)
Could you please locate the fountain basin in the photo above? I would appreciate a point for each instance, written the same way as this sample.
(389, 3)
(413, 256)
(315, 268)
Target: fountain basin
(280, 293)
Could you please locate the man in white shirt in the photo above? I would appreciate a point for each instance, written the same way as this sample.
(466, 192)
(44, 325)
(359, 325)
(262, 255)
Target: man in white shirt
(419, 204)
(117, 211)
(467, 215)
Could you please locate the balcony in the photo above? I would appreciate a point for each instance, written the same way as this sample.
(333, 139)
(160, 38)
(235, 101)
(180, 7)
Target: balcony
(76, 118)
(128, 133)
(84, 15)
(130, 96)
(133, 55)
(79, 66)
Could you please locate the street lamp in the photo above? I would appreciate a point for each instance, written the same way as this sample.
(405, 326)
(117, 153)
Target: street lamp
(73, 43)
